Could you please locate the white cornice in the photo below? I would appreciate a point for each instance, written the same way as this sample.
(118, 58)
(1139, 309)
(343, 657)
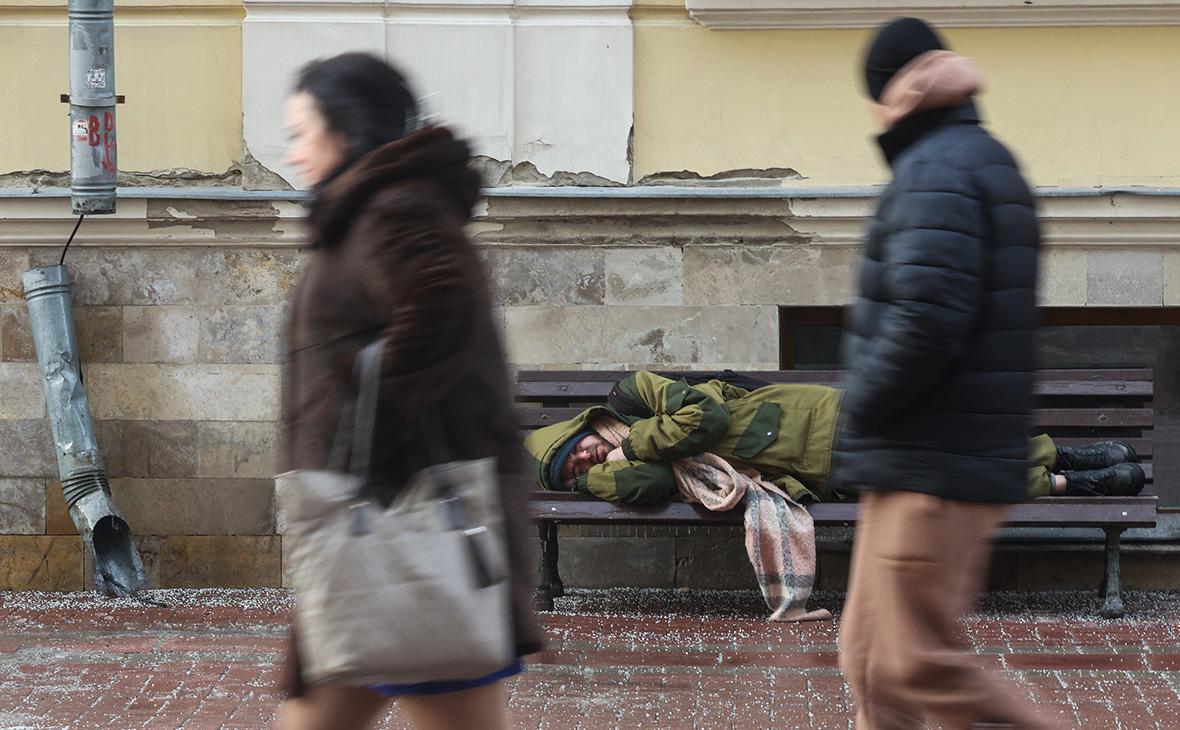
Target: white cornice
(378, 8)
(1080, 218)
(797, 14)
(40, 219)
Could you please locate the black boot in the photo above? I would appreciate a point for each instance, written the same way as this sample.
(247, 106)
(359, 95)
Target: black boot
(1120, 480)
(1094, 456)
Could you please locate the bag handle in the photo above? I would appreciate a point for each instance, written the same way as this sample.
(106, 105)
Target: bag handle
(352, 447)
(367, 371)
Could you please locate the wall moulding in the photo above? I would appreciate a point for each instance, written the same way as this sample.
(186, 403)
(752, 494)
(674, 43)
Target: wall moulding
(803, 14)
(613, 217)
(40, 219)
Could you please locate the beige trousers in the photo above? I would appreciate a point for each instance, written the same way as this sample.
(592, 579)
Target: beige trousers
(916, 564)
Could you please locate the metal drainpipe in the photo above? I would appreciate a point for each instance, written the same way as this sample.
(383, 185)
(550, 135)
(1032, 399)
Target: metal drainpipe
(117, 566)
(118, 569)
(93, 149)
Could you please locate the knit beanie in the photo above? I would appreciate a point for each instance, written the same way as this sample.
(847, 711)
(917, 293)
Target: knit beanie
(563, 453)
(896, 44)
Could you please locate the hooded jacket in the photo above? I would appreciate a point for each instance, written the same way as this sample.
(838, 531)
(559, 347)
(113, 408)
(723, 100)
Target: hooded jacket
(391, 260)
(783, 431)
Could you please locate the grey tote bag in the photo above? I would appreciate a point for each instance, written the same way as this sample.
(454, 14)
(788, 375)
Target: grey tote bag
(413, 593)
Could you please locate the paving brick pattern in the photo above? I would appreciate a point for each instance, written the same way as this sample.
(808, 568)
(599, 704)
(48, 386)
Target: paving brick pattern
(626, 660)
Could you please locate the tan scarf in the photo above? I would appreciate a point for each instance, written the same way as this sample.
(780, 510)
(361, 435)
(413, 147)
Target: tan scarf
(933, 80)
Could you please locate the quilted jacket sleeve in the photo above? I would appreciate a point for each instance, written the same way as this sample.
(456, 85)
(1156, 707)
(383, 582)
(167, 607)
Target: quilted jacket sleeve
(629, 482)
(934, 258)
(686, 421)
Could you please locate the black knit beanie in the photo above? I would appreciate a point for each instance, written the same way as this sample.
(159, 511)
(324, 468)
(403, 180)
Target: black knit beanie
(896, 44)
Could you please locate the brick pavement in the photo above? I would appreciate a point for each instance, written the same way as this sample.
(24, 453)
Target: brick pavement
(621, 659)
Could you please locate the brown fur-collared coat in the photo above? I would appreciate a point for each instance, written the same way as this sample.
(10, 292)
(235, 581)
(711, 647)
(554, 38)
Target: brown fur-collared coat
(390, 259)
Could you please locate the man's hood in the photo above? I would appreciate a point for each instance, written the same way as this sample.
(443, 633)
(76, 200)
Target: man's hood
(544, 443)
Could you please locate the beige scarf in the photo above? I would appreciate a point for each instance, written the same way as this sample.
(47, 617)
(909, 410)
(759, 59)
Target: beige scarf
(933, 80)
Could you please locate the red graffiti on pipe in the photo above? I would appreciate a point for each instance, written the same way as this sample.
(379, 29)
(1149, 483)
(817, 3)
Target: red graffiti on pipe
(102, 134)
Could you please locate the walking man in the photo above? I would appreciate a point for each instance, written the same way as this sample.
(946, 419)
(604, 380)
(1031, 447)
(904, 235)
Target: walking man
(940, 356)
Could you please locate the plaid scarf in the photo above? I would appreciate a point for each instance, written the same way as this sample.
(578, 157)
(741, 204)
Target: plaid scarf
(780, 535)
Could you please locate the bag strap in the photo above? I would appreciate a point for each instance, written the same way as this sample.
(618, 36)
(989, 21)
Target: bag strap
(367, 372)
(352, 447)
(437, 451)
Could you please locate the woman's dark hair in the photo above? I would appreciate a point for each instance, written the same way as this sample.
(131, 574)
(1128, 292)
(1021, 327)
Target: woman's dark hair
(363, 99)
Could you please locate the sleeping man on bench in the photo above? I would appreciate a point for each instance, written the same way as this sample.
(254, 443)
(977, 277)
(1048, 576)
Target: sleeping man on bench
(784, 432)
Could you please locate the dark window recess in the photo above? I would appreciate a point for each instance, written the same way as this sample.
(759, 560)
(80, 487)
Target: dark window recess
(809, 337)
(1070, 337)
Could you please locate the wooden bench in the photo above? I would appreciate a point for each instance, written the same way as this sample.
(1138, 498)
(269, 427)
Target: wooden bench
(1075, 407)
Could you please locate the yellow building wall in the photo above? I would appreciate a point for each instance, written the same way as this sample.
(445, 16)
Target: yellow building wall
(180, 68)
(1079, 106)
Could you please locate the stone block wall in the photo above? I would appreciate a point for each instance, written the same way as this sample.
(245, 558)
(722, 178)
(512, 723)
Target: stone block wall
(180, 307)
(181, 350)
(633, 282)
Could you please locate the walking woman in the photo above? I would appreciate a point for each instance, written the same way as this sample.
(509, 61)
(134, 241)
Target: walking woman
(390, 261)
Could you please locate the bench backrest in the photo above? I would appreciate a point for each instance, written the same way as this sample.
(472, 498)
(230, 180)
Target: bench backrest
(1073, 406)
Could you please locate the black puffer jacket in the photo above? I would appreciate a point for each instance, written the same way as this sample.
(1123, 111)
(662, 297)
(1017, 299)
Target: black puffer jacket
(940, 346)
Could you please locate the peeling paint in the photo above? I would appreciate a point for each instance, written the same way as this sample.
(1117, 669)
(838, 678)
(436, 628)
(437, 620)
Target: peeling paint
(176, 177)
(239, 219)
(769, 175)
(180, 177)
(631, 155)
(247, 174)
(179, 213)
(35, 179)
(257, 176)
(501, 173)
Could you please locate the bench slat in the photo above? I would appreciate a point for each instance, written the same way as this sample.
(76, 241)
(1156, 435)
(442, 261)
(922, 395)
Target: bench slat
(1044, 512)
(538, 417)
(1113, 388)
(1096, 417)
(553, 390)
(1044, 417)
(815, 376)
(1148, 472)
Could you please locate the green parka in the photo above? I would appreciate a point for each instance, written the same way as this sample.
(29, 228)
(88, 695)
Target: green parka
(783, 431)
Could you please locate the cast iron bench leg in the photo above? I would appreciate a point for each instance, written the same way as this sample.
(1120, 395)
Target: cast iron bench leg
(555, 583)
(547, 569)
(1111, 588)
